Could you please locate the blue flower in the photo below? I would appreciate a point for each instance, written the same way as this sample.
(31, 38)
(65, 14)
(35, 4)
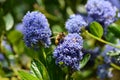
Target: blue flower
(102, 11)
(75, 23)
(36, 29)
(19, 27)
(6, 45)
(69, 52)
(103, 72)
(119, 15)
(94, 52)
(105, 51)
(89, 19)
(1, 57)
(114, 58)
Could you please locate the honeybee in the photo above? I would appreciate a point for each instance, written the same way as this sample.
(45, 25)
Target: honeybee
(59, 38)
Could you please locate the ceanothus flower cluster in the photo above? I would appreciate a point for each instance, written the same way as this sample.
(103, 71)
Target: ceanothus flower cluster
(104, 72)
(108, 57)
(102, 11)
(68, 53)
(36, 29)
(75, 23)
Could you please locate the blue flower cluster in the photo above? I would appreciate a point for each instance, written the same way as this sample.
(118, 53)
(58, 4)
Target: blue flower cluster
(75, 23)
(107, 49)
(102, 11)
(103, 72)
(111, 58)
(36, 29)
(69, 52)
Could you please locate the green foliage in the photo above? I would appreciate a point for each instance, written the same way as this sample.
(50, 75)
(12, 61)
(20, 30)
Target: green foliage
(40, 2)
(26, 76)
(113, 53)
(56, 29)
(9, 22)
(2, 24)
(81, 75)
(96, 29)
(115, 29)
(55, 72)
(14, 36)
(110, 37)
(84, 61)
(39, 70)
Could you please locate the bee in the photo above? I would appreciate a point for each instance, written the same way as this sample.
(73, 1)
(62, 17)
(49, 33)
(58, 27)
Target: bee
(59, 38)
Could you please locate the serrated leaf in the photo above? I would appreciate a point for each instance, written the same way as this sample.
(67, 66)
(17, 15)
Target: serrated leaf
(39, 70)
(96, 29)
(8, 21)
(84, 61)
(27, 76)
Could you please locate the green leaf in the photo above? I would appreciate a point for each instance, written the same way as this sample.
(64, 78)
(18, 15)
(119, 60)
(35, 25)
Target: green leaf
(26, 76)
(84, 61)
(81, 75)
(2, 28)
(40, 2)
(113, 53)
(110, 37)
(2, 24)
(16, 39)
(55, 71)
(56, 29)
(39, 70)
(115, 29)
(2, 73)
(96, 29)
(9, 22)
(19, 46)
(14, 36)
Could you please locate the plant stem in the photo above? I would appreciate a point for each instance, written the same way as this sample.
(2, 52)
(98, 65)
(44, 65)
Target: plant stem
(101, 40)
(115, 66)
(50, 16)
(44, 54)
(69, 74)
(68, 77)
